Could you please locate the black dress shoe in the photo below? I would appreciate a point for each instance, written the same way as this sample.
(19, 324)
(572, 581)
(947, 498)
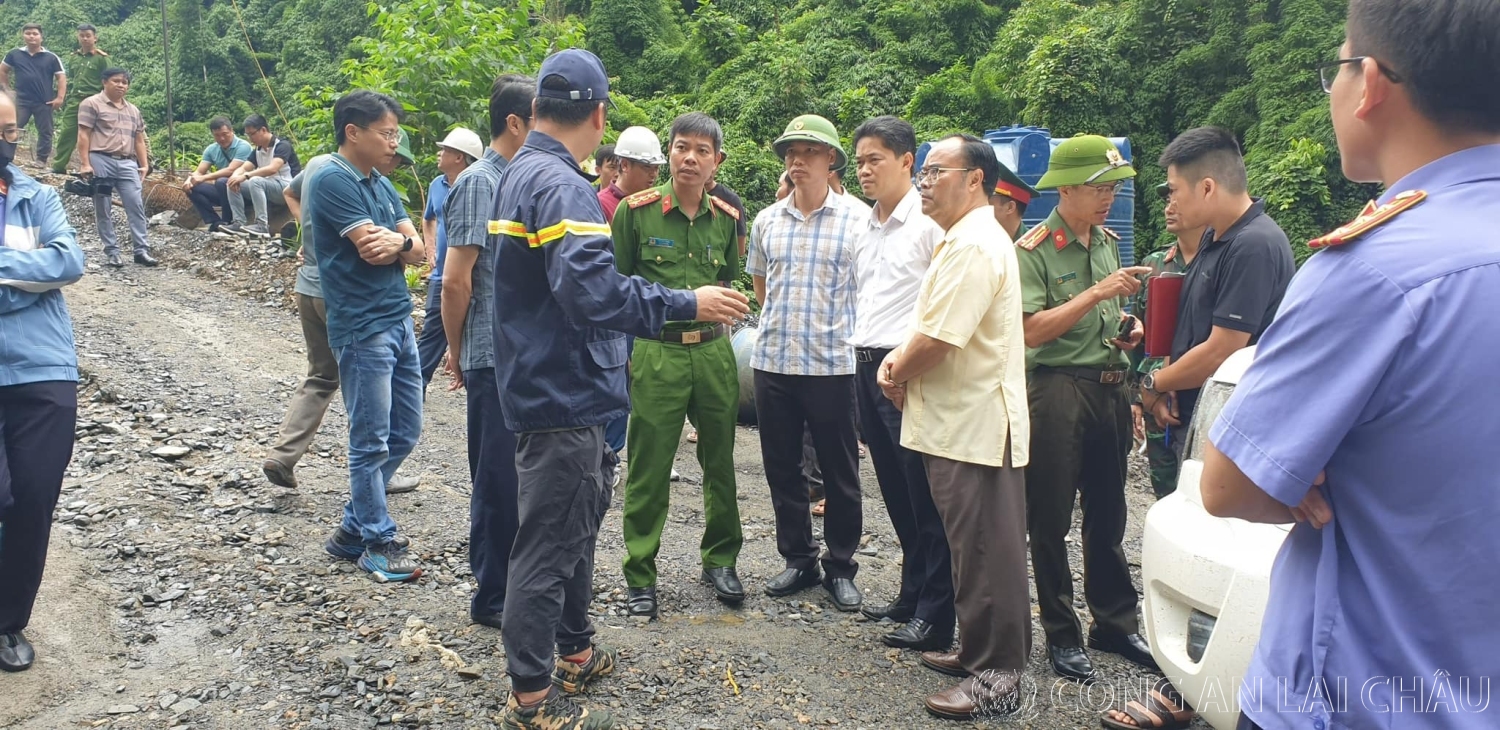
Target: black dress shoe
(144, 259)
(921, 636)
(113, 261)
(492, 620)
(641, 601)
(1131, 646)
(898, 612)
(1071, 662)
(16, 654)
(726, 583)
(791, 581)
(846, 596)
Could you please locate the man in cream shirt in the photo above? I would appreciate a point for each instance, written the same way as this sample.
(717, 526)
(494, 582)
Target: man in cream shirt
(960, 380)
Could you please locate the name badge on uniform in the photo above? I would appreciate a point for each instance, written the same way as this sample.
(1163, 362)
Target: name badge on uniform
(1065, 278)
(661, 242)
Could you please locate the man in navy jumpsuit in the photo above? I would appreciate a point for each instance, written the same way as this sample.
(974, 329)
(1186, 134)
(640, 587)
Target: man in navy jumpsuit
(561, 310)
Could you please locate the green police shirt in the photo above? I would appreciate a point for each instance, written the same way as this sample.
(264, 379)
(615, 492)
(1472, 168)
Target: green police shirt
(1055, 267)
(84, 73)
(657, 241)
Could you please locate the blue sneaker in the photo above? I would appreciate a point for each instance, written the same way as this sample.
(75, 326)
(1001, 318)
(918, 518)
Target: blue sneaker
(346, 545)
(389, 562)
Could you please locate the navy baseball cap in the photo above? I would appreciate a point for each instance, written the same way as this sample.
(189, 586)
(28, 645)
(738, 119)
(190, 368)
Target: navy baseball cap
(582, 71)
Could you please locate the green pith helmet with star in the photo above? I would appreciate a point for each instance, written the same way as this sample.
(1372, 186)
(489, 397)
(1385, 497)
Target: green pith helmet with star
(1085, 159)
(812, 128)
(403, 149)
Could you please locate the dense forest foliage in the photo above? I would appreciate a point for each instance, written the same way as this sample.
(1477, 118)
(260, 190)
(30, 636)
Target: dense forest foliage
(1145, 69)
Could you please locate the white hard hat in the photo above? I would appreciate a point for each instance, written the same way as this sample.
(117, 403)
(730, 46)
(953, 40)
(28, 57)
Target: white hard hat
(641, 145)
(465, 141)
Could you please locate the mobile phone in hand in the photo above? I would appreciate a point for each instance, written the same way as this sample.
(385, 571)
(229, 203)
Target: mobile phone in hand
(1127, 326)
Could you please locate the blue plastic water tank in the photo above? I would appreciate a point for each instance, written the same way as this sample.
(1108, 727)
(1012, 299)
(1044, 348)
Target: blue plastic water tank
(1026, 150)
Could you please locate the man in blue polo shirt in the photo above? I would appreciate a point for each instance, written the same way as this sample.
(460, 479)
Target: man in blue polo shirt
(1368, 416)
(364, 240)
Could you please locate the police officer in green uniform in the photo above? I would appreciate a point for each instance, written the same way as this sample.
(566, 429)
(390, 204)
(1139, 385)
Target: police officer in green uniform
(1161, 448)
(1009, 200)
(85, 68)
(1073, 297)
(679, 236)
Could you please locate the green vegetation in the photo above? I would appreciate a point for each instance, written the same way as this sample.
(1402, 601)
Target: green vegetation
(1145, 69)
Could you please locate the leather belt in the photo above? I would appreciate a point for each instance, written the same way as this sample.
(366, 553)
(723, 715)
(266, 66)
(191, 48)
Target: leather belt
(1105, 377)
(870, 354)
(693, 337)
(120, 157)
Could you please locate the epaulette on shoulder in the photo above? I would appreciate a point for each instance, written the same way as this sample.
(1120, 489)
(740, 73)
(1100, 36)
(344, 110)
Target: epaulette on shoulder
(1369, 220)
(1110, 232)
(644, 197)
(727, 208)
(1032, 238)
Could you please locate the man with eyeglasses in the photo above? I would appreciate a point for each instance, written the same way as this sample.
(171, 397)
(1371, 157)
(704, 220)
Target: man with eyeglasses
(1073, 305)
(364, 240)
(1368, 415)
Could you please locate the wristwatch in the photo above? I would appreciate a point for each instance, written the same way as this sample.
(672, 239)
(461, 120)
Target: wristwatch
(1149, 382)
(407, 245)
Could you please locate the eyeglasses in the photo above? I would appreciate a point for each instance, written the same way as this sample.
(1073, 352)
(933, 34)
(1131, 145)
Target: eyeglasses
(1103, 189)
(930, 173)
(1329, 71)
(386, 134)
(10, 134)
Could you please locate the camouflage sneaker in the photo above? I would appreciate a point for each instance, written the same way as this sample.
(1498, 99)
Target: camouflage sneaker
(557, 712)
(575, 678)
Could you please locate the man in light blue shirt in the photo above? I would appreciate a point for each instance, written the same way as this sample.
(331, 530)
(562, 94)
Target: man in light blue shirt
(1369, 414)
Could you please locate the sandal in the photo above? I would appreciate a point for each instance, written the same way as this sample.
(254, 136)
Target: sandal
(818, 509)
(1153, 711)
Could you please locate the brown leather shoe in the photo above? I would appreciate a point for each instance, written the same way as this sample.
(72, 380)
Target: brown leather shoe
(944, 662)
(994, 694)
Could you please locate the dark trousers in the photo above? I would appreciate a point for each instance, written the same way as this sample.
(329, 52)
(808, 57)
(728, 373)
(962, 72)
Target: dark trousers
(811, 472)
(42, 113)
(562, 498)
(492, 507)
(1246, 723)
(984, 511)
(1080, 439)
(926, 564)
(784, 404)
(36, 444)
(209, 198)
(310, 401)
(433, 343)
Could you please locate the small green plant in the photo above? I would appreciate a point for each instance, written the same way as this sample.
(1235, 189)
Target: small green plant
(416, 277)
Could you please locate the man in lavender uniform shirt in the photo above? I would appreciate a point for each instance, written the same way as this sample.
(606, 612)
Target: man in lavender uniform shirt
(1371, 415)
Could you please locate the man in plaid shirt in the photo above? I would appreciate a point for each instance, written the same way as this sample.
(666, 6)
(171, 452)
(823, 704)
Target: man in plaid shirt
(802, 260)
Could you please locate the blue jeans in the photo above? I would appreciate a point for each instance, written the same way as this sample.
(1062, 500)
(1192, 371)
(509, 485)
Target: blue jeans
(382, 389)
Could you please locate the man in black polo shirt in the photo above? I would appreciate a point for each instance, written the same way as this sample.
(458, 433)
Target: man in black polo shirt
(34, 71)
(1234, 285)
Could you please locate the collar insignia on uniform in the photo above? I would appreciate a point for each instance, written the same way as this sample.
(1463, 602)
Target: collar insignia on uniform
(644, 197)
(1032, 238)
(1371, 218)
(1059, 239)
(1110, 232)
(1369, 208)
(1171, 254)
(727, 208)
